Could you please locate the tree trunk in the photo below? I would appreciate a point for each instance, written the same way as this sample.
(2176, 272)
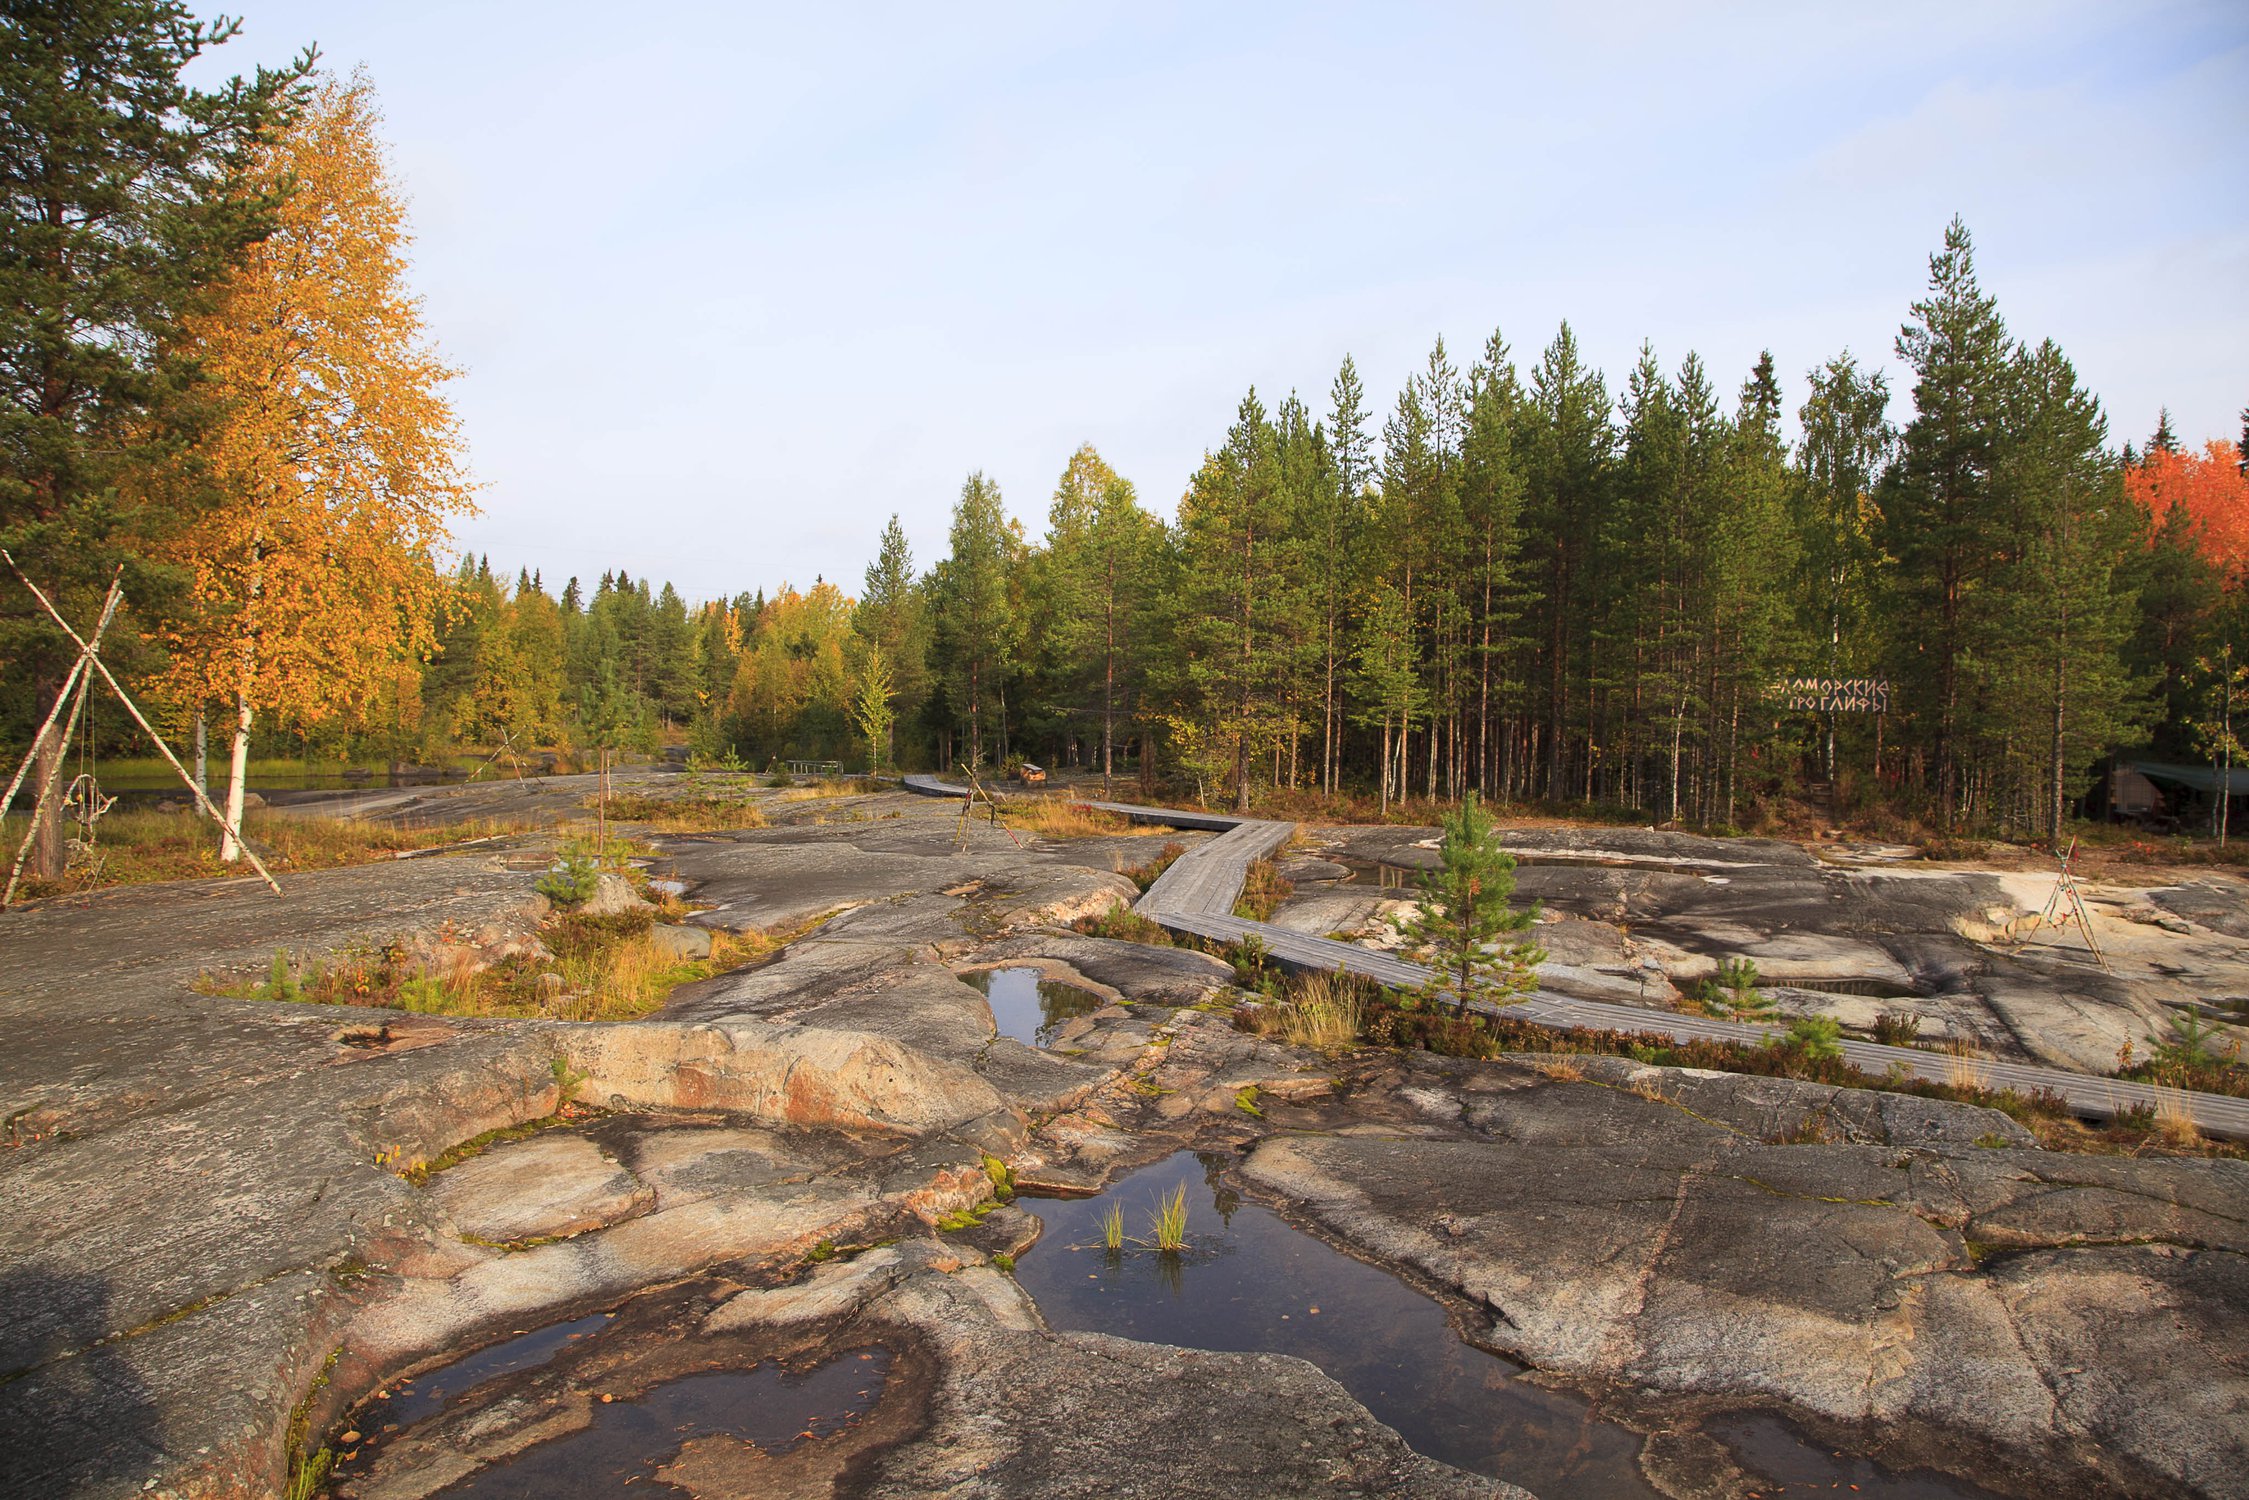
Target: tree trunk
(237, 782)
(1109, 702)
(46, 860)
(1385, 777)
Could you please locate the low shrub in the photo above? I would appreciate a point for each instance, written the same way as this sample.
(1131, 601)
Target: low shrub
(1264, 888)
(1125, 925)
(1898, 1028)
(1146, 873)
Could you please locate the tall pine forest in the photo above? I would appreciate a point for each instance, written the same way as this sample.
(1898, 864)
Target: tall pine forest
(1518, 581)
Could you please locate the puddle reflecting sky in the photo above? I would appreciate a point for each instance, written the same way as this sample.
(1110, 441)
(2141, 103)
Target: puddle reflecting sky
(1028, 1008)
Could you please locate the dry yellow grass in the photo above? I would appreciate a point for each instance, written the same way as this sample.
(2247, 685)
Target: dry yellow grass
(134, 847)
(1964, 1065)
(2174, 1117)
(1325, 1013)
(1060, 818)
(827, 786)
(691, 814)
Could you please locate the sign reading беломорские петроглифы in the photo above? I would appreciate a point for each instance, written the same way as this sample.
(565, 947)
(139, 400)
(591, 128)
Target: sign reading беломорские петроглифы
(1828, 695)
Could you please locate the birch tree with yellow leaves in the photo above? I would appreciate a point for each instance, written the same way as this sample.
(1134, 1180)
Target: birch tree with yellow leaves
(333, 461)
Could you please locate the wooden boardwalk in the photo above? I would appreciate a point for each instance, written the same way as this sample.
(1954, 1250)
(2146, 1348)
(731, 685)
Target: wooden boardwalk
(1196, 897)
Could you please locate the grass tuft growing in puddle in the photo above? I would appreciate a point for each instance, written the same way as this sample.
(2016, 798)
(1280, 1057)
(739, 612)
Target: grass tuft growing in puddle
(1168, 1221)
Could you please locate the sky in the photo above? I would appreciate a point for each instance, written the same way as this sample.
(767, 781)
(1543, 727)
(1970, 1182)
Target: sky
(730, 284)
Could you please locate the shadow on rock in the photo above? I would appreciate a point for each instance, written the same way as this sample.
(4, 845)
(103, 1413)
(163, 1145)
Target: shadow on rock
(81, 1422)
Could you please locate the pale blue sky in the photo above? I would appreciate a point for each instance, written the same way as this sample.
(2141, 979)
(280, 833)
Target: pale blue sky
(732, 283)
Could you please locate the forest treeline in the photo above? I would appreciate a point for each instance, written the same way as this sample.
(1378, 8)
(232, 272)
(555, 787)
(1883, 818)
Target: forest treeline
(1514, 582)
(1522, 578)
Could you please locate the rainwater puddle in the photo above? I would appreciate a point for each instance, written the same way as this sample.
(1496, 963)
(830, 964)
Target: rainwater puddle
(630, 1441)
(1374, 873)
(1766, 1445)
(1249, 1282)
(431, 1392)
(1028, 1008)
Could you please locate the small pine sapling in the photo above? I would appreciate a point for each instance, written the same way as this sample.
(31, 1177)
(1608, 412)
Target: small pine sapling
(1462, 928)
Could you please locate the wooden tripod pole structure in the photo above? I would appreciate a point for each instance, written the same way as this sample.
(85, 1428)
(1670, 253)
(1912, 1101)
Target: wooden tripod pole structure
(968, 807)
(2066, 885)
(77, 670)
(89, 656)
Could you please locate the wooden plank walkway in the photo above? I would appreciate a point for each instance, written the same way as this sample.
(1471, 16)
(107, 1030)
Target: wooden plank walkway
(1196, 896)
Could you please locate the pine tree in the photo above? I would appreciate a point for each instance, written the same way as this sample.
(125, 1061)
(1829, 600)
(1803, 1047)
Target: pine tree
(1847, 438)
(1100, 545)
(2054, 668)
(1383, 682)
(1333, 523)
(1495, 588)
(1234, 606)
(1462, 925)
(1940, 521)
(976, 634)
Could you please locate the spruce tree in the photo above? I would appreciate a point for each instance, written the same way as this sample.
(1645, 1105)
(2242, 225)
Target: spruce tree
(2163, 440)
(893, 618)
(1462, 927)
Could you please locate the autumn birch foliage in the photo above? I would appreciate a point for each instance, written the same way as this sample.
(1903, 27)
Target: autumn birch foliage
(336, 459)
